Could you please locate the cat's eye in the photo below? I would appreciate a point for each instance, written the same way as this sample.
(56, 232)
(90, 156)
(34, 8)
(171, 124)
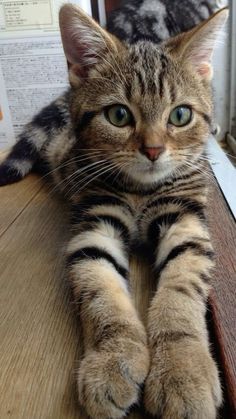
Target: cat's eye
(180, 116)
(118, 115)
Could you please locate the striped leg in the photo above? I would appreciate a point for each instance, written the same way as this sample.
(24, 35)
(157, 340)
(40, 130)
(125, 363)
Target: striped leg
(116, 357)
(183, 379)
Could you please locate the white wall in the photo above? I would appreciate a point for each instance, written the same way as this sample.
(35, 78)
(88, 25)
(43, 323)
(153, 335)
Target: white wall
(221, 82)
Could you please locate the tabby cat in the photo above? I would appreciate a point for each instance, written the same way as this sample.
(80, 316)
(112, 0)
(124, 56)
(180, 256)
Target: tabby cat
(126, 145)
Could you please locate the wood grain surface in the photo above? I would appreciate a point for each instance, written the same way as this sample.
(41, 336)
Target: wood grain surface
(39, 330)
(223, 298)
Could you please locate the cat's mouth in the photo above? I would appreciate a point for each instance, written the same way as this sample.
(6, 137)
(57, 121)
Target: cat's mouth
(149, 166)
(148, 172)
(152, 167)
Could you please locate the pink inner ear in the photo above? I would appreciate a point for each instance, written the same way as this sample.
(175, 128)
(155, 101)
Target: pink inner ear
(201, 56)
(205, 70)
(202, 62)
(84, 57)
(78, 70)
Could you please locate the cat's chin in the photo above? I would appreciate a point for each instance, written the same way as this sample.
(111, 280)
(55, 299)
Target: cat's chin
(148, 174)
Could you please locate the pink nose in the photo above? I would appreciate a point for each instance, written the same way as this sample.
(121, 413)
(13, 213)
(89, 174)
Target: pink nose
(153, 153)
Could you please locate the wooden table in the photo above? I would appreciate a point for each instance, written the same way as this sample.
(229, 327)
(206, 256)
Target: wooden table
(39, 329)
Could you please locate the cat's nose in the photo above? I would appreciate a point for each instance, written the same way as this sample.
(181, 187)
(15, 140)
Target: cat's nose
(152, 153)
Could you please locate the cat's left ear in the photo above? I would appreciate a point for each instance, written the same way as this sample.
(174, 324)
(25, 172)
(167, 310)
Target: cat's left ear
(85, 43)
(196, 46)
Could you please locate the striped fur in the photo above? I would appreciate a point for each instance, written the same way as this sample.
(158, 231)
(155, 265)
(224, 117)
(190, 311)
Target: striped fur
(121, 199)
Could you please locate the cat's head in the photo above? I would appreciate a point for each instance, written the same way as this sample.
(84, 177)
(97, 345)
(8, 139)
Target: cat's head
(144, 110)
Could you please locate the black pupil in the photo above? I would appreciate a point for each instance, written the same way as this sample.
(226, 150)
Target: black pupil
(120, 114)
(179, 114)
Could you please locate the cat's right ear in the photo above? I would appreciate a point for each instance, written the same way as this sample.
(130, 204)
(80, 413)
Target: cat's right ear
(196, 46)
(85, 43)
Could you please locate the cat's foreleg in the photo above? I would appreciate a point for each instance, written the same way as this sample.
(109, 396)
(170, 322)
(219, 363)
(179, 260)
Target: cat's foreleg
(116, 359)
(183, 380)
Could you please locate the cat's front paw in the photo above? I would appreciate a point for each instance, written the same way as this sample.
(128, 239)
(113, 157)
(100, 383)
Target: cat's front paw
(183, 382)
(109, 379)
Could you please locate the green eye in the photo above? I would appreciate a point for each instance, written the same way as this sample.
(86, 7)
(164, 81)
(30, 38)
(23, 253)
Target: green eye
(118, 115)
(180, 116)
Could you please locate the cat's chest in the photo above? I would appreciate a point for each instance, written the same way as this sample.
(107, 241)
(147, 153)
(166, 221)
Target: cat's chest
(139, 203)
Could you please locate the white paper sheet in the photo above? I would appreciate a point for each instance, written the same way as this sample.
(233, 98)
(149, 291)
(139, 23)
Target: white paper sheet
(33, 69)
